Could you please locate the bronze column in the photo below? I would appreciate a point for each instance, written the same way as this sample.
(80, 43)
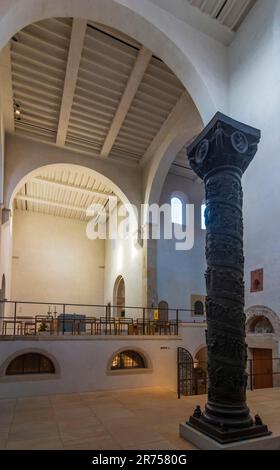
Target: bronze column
(220, 155)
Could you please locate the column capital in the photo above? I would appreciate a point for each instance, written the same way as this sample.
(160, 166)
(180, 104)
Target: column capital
(223, 142)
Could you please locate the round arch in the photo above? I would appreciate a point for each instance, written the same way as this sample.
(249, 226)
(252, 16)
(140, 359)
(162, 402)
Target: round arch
(185, 130)
(258, 312)
(198, 350)
(20, 352)
(119, 296)
(147, 24)
(23, 178)
(143, 354)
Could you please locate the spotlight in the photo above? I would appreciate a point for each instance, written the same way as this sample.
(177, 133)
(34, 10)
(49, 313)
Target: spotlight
(17, 111)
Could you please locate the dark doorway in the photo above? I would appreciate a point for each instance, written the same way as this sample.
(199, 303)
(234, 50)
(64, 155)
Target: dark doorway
(163, 311)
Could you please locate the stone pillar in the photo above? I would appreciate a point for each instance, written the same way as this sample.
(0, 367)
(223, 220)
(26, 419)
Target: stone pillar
(220, 155)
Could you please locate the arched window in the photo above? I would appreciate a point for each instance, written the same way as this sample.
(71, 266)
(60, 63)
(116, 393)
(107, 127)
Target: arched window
(163, 311)
(119, 296)
(176, 211)
(198, 308)
(261, 325)
(203, 207)
(128, 360)
(30, 363)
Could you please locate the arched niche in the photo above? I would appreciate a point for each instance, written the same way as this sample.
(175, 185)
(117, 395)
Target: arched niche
(119, 297)
(163, 311)
(260, 317)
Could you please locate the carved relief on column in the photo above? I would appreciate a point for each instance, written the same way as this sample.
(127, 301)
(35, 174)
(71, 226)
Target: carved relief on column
(220, 155)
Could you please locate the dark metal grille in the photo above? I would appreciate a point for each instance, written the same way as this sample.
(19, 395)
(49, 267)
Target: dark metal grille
(31, 363)
(186, 385)
(128, 360)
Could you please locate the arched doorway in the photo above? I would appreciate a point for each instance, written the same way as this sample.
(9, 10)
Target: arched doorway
(119, 297)
(185, 371)
(75, 196)
(263, 331)
(200, 371)
(163, 311)
(2, 297)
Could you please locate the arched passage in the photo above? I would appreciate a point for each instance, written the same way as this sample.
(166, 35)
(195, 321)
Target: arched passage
(55, 253)
(2, 297)
(200, 370)
(119, 297)
(30, 170)
(186, 123)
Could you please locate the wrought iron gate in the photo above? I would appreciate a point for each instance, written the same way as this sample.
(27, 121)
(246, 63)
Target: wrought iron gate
(185, 371)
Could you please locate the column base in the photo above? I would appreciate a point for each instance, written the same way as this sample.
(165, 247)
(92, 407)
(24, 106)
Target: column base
(228, 435)
(204, 442)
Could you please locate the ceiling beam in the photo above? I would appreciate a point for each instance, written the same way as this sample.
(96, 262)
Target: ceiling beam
(134, 80)
(73, 62)
(69, 187)
(61, 205)
(180, 109)
(6, 88)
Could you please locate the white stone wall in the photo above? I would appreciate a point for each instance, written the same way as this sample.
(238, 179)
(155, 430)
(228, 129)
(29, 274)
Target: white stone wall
(124, 258)
(255, 99)
(181, 273)
(82, 365)
(6, 247)
(54, 261)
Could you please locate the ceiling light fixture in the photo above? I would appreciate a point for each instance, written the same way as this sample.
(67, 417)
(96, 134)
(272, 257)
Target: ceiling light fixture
(17, 111)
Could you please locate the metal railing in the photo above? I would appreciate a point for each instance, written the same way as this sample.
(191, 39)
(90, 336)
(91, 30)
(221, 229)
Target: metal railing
(261, 373)
(22, 318)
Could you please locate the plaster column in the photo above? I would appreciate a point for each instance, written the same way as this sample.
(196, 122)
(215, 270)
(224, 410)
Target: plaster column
(220, 155)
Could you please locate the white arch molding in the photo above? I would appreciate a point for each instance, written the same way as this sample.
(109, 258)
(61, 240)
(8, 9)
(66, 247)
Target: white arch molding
(183, 48)
(119, 295)
(195, 58)
(4, 365)
(142, 352)
(105, 180)
(258, 311)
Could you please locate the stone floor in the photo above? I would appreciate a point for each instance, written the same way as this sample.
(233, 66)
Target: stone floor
(127, 419)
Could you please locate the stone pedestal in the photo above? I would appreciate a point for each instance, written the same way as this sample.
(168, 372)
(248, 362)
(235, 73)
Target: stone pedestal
(204, 442)
(220, 155)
